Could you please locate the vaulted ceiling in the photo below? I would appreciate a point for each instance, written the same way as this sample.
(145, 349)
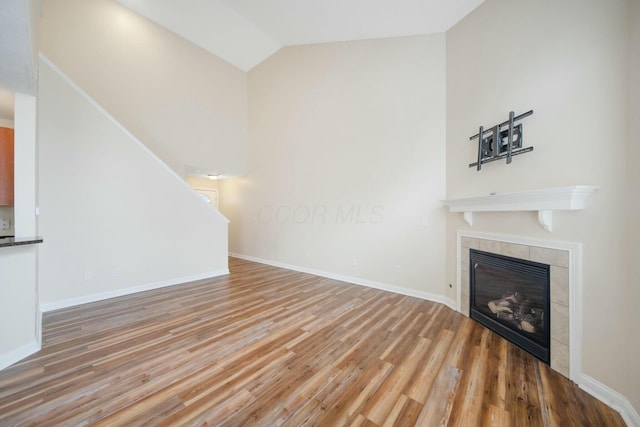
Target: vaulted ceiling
(245, 32)
(242, 32)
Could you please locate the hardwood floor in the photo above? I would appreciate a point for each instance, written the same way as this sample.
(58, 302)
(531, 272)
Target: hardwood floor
(267, 346)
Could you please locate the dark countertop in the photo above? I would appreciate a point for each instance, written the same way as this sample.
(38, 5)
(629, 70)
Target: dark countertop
(19, 241)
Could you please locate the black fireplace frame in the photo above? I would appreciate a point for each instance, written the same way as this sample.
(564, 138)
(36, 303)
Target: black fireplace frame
(542, 352)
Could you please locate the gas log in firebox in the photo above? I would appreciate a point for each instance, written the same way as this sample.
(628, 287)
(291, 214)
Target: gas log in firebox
(511, 297)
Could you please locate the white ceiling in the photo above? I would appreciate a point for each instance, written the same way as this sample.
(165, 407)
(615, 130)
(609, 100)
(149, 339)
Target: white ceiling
(245, 32)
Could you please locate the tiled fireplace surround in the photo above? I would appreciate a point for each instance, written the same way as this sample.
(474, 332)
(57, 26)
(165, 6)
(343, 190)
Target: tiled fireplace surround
(562, 258)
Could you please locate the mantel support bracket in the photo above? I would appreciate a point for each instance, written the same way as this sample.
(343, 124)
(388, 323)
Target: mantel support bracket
(545, 218)
(468, 216)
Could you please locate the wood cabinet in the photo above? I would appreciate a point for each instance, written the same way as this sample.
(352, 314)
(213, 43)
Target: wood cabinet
(6, 166)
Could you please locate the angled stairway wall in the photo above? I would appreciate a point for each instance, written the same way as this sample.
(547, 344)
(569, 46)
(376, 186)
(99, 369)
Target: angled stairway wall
(116, 219)
(187, 105)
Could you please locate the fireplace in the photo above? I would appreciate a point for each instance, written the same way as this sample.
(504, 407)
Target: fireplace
(511, 297)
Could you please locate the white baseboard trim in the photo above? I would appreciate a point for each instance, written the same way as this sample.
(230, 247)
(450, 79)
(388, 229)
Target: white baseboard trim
(352, 279)
(18, 354)
(612, 398)
(57, 305)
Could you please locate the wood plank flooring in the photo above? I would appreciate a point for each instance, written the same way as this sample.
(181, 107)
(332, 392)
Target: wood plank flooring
(268, 346)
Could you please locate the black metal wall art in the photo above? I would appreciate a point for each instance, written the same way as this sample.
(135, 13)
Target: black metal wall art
(502, 141)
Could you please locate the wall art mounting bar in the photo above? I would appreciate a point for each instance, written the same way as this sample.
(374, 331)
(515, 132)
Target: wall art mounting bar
(502, 141)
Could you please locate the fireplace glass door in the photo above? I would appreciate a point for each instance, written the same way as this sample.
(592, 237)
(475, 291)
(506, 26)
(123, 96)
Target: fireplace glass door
(511, 297)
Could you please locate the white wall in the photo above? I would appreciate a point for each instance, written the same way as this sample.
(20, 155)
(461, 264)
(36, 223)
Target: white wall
(25, 147)
(188, 106)
(17, 303)
(346, 162)
(632, 314)
(113, 217)
(568, 62)
(18, 265)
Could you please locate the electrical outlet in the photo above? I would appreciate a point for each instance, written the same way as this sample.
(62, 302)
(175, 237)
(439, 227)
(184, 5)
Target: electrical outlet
(87, 275)
(116, 271)
(5, 224)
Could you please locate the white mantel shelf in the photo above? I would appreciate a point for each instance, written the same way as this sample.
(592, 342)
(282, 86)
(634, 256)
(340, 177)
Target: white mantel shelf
(543, 201)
